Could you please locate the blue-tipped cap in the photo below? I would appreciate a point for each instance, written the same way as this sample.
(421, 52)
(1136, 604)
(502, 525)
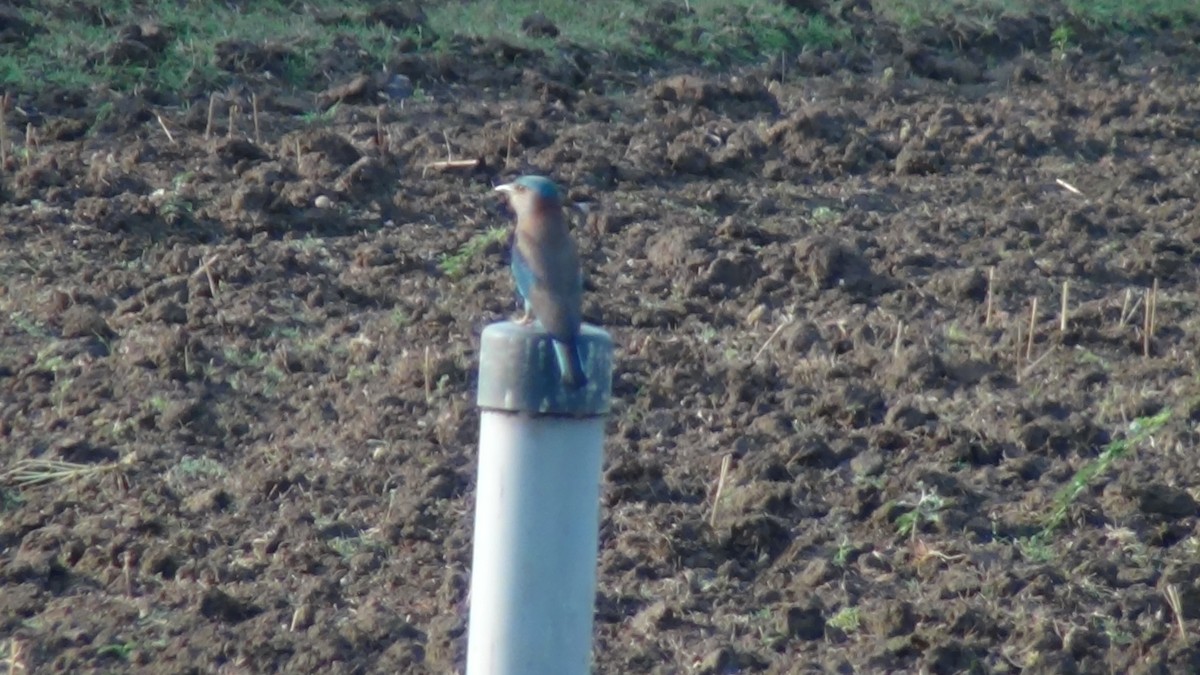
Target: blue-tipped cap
(518, 372)
(539, 185)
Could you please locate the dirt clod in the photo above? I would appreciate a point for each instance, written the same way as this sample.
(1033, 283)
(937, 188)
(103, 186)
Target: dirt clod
(84, 321)
(1167, 501)
(216, 604)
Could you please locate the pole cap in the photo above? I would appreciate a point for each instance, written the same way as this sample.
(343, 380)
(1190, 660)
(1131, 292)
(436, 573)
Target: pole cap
(518, 372)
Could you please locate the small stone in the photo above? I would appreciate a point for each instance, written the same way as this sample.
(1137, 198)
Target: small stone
(867, 463)
(302, 617)
(756, 315)
(323, 202)
(654, 618)
(178, 414)
(398, 88)
(817, 572)
(206, 501)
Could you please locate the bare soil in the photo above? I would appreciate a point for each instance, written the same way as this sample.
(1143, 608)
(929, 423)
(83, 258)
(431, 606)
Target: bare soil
(257, 343)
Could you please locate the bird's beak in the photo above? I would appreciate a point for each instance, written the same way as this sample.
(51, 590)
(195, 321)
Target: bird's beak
(507, 187)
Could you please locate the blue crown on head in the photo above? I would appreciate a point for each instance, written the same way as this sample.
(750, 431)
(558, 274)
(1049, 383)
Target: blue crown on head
(544, 187)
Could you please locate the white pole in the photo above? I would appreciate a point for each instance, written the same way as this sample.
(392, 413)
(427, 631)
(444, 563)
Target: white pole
(537, 505)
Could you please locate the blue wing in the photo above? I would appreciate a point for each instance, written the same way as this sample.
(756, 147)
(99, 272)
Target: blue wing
(522, 273)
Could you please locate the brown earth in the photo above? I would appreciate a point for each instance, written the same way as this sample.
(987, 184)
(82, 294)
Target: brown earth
(255, 343)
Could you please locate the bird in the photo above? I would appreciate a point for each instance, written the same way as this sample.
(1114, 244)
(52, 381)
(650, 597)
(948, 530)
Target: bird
(545, 267)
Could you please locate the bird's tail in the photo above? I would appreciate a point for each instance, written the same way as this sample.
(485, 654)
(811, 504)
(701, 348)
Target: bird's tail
(570, 363)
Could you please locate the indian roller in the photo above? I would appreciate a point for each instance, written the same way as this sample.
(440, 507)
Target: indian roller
(545, 266)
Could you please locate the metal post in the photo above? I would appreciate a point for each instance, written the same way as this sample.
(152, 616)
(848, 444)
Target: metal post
(537, 504)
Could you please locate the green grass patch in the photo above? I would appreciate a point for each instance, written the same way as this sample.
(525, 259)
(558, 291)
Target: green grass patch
(77, 44)
(73, 44)
(199, 468)
(1126, 15)
(119, 650)
(713, 30)
(927, 509)
(10, 500)
(1036, 548)
(30, 326)
(847, 620)
(1141, 429)
(348, 547)
(1103, 15)
(454, 265)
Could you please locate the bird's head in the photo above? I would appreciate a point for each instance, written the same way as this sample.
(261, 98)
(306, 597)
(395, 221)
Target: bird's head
(532, 195)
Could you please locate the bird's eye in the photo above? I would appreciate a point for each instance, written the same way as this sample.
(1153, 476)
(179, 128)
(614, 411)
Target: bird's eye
(520, 188)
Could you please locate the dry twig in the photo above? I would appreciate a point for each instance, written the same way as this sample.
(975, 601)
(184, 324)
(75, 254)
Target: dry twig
(991, 284)
(724, 475)
(1176, 603)
(206, 268)
(1150, 315)
(30, 472)
(1065, 308)
(380, 140)
(254, 109)
(428, 371)
(1029, 368)
(15, 660)
(771, 338)
(454, 164)
(167, 131)
(1067, 186)
(30, 144)
(1032, 328)
(508, 150)
(1129, 307)
(450, 162)
(4, 130)
(212, 110)
(233, 111)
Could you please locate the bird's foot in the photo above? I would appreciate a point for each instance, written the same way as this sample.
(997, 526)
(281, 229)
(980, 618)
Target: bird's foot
(525, 319)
